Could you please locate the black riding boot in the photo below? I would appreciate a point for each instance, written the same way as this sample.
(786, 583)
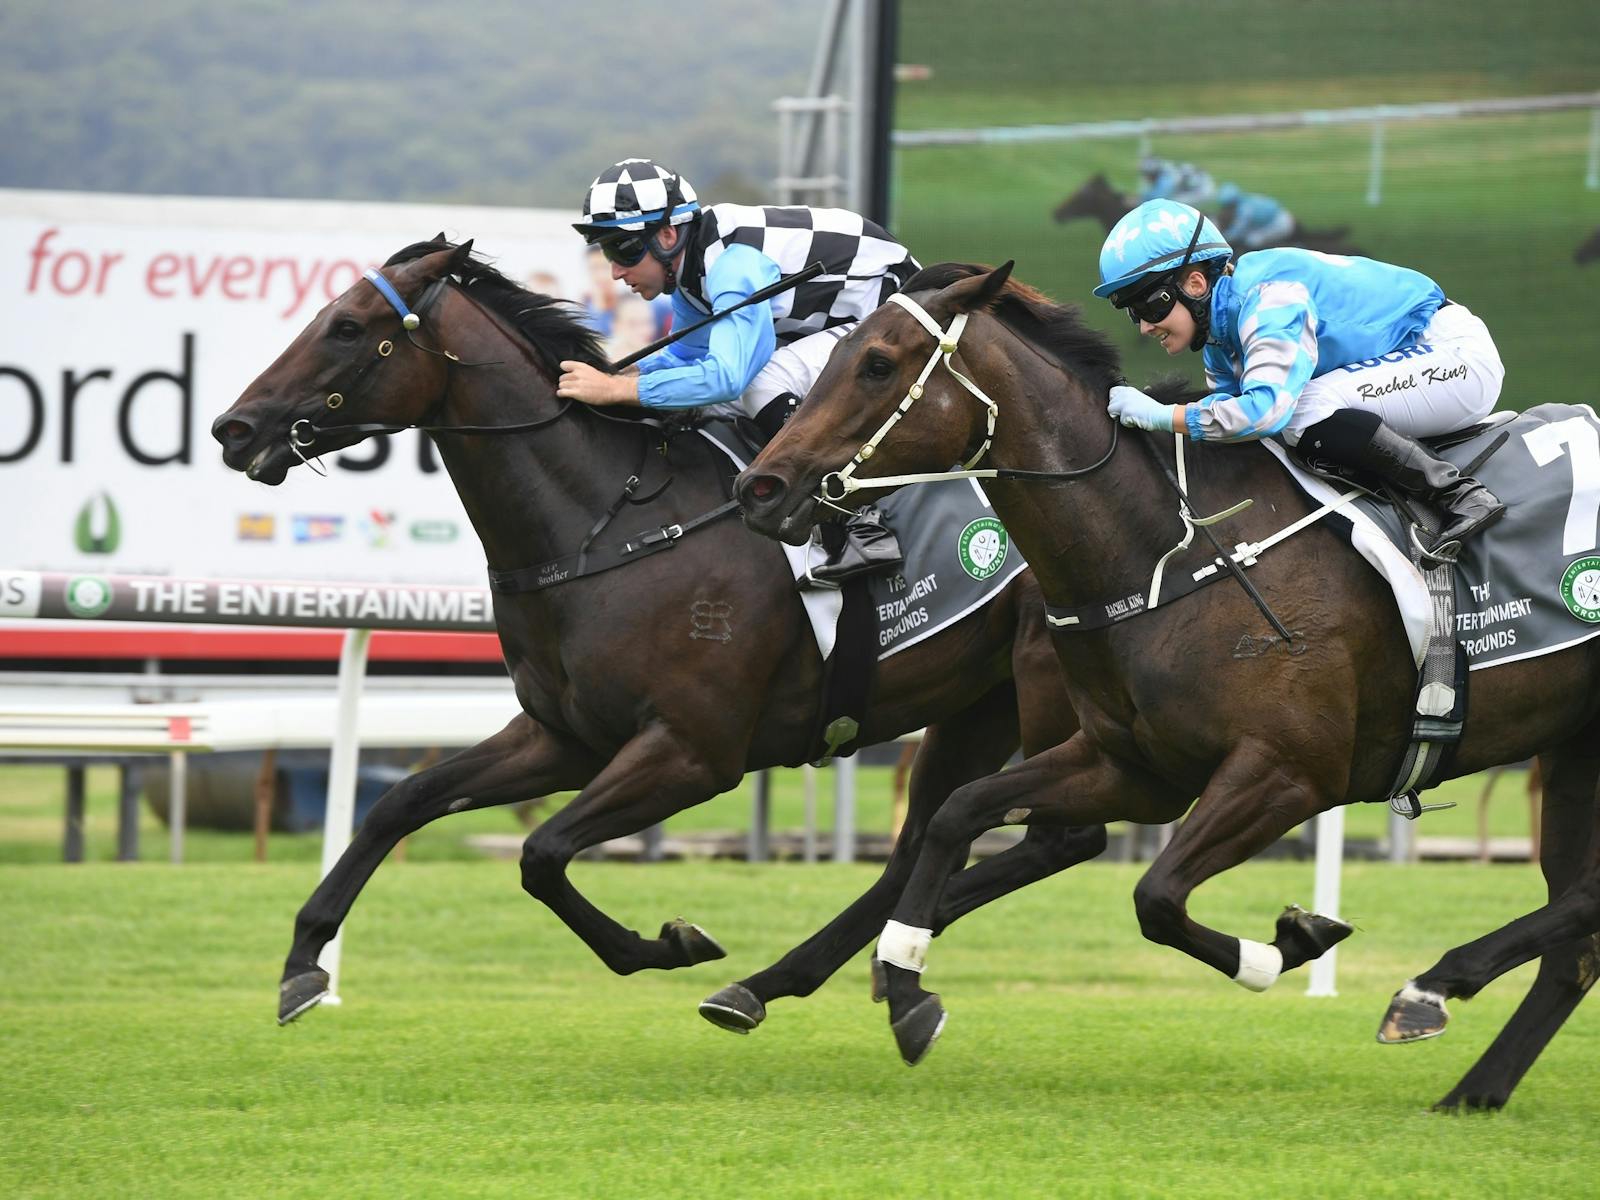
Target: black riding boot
(860, 545)
(1358, 438)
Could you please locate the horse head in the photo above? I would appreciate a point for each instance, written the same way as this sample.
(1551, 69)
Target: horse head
(1096, 198)
(339, 373)
(887, 368)
(1589, 250)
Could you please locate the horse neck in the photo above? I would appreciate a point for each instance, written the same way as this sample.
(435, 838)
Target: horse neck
(530, 496)
(1095, 537)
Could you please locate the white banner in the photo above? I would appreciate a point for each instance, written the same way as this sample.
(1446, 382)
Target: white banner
(128, 323)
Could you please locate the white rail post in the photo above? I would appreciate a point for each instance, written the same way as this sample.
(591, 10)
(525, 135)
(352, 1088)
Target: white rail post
(1330, 860)
(809, 846)
(177, 802)
(1591, 178)
(844, 810)
(340, 814)
(1375, 170)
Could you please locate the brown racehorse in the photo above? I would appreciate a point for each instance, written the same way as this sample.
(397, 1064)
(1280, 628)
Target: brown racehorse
(619, 696)
(1097, 198)
(1172, 712)
(1588, 250)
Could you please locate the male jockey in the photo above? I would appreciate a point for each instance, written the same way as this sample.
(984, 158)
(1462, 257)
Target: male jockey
(1163, 179)
(1250, 220)
(1348, 358)
(764, 357)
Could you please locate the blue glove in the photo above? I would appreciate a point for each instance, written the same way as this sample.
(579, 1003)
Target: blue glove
(1132, 407)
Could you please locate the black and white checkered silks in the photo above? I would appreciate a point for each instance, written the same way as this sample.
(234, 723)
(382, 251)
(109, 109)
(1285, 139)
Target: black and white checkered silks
(862, 266)
(625, 193)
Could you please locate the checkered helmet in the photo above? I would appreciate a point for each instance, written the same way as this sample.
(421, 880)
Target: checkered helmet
(634, 196)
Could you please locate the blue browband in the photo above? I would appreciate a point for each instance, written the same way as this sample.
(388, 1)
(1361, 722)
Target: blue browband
(407, 318)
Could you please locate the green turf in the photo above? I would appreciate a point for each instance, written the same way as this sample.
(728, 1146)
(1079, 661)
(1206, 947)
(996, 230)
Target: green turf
(480, 1051)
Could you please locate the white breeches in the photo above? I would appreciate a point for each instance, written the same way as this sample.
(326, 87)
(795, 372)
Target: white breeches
(792, 368)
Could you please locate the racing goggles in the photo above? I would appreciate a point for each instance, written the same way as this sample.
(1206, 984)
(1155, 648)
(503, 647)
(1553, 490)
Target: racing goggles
(1153, 304)
(626, 251)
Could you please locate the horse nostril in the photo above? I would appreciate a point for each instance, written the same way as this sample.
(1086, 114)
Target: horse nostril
(232, 431)
(762, 487)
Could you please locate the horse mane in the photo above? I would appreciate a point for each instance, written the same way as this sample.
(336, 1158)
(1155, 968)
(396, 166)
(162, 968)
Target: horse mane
(547, 323)
(1058, 329)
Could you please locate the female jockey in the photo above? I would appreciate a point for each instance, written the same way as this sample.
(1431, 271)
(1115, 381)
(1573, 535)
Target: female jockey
(1347, 358)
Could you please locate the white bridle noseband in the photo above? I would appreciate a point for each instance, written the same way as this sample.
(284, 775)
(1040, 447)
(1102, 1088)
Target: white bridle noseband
(836, 485)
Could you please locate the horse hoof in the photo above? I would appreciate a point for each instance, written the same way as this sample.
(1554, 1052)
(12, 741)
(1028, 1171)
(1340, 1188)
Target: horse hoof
(880, 982)
(1302, 936)
(694, 944)
(1414, 1015)
(300, 993)
(735, 1008)
(916, 1032)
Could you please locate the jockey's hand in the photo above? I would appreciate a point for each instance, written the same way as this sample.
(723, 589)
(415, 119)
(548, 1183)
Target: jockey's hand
(580, 381)
(1132, 407)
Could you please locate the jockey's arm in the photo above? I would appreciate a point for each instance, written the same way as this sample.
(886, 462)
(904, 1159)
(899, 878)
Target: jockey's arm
(715, 365)
(1279, 327)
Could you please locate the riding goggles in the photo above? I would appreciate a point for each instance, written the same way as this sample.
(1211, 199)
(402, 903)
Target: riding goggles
(625, 251)
(1152, 305)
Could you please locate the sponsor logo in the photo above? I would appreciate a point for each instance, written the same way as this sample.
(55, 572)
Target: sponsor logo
(87, 595)
(311, 528)
(1580, 589)
(99, 528)
(982, 547)
(257, 527)
(435, 531)
(379, 527)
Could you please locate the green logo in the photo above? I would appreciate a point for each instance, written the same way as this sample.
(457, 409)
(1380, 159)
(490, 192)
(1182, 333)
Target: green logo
(87, 595)
(1580, 589)
(99, 529)
(434, 531)
(982, 548)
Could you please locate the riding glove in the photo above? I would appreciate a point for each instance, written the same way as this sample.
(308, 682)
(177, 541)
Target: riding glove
(1132, 407)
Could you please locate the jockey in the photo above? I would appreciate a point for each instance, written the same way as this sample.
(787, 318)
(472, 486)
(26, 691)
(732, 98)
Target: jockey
(763, 358)
(1347, 358)
(1163, 179)
(1252, 221)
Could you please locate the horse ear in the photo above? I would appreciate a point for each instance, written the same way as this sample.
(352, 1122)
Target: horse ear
(975, 293)
(459, 256)
(439, 237)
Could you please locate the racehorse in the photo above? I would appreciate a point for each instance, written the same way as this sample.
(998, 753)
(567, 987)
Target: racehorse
(1192, 701)
(651, 686)
(1588, 250)
(1097, 198)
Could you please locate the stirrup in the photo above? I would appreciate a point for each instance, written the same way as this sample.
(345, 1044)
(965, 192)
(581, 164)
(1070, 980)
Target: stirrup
(1410, 806)
(1445, 552)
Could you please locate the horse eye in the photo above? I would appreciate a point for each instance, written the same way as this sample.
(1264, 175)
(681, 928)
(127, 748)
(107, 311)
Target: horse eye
(346, 330)
(877, 367)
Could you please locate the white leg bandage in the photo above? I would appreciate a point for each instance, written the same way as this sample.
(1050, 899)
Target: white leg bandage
(1259, 965)
(904, 946)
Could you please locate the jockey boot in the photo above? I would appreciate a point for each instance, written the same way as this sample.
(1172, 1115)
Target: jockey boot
(859, 545)
(1358, 438)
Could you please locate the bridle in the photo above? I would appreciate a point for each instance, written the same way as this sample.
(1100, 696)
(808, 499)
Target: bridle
(304, 434)
(837, 485)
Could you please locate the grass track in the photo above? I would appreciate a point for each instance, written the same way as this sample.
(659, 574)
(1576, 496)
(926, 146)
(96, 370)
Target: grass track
(482, 1052)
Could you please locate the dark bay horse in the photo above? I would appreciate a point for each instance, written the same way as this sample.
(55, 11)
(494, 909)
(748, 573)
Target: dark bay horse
(1099, 199)
(627, 692)
(1172, 713)
(1588, 250)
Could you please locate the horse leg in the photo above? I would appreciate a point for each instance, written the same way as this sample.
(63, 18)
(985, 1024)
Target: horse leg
(1253, 799)
(522, 761)
(656, 774)
(1565, 930)
(973, 743)
(1073, 784)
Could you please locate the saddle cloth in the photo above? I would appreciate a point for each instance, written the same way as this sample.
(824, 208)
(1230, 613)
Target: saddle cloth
(958, 558)
(1530, 584)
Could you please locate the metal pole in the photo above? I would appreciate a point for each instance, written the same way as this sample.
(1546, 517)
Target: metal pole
(1402, 840)
(844, 810)
(1375, 170)
(865, 22)
(177, 802)
(808, 775)
(339, 818)
(128, 813)
(1330, 862)
(72, 840)
(758, 843)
